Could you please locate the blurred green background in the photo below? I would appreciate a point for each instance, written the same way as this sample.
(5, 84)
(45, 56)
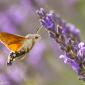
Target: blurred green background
(44, 66)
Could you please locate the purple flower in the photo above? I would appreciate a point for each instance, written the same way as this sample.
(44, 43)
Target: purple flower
(68, 38)
(71, 62)
(46, 19)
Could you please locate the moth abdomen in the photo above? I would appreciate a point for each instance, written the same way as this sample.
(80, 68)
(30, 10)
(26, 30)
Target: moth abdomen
(15, 55)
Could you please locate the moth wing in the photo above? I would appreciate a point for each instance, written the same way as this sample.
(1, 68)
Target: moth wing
(14, 47)
(13, 42)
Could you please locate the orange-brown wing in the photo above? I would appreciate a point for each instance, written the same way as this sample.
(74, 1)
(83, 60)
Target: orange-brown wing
(13, 42)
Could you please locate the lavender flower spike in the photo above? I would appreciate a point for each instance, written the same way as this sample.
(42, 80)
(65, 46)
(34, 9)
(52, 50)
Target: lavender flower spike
(68, 38)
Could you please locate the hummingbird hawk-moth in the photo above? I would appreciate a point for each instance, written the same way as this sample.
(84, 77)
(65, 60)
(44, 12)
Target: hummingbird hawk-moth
(18, 45)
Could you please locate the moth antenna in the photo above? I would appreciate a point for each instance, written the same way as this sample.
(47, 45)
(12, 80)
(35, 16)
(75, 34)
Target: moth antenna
(38, 29)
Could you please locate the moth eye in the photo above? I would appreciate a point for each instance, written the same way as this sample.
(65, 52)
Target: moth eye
(36, 37)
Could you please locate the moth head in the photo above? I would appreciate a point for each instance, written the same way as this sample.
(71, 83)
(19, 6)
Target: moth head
(36, 37)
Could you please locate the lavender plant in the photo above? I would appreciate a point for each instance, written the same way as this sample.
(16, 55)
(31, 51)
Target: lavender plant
(68, 38)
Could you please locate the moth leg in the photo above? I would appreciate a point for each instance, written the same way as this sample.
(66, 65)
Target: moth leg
(21, 58)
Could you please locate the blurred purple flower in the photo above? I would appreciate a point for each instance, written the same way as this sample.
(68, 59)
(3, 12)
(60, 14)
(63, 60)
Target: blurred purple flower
(5, 24)
(19, 13)
(71, 2)
(36, 53)
(16, 73)
(68, 38)
(4, 80)
(41, 1)
(2, 60)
